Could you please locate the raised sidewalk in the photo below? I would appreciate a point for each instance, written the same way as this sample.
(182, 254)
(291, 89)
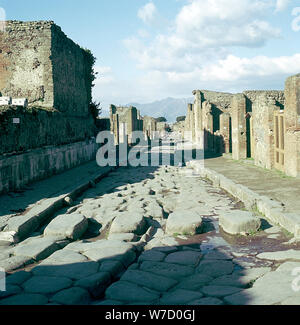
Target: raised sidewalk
(269, 192)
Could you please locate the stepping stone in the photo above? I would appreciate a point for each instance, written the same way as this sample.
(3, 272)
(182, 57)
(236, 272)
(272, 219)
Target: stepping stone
(281, 255)
(184, 258)
(128, 292)
(123, 253)
(18, 278)
(71, 226)
(238, 222)
(72, 296)
(149, 280)
(194, 282)
(36, 248)
(152, 255)
(25, 300)
(129, 222)
(66, 263)
(173, 271)
(184, 222)
(219, 291)
(209, 301)
(215, 268)
(179, 297)
(46, 284)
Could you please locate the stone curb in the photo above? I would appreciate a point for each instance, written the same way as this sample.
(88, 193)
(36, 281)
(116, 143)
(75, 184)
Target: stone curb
(26, 224)
(271, 209)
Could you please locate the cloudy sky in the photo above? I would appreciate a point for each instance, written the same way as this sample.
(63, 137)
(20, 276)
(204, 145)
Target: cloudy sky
(152, 49)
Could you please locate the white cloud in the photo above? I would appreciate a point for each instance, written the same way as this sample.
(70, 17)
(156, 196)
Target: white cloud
(296, 21)
(147, 12)
(281, 5)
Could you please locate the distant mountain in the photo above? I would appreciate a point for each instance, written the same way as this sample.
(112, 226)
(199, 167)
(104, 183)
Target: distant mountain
(170, 108)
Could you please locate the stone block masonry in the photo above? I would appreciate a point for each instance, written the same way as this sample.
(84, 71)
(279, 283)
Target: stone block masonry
(38, 62)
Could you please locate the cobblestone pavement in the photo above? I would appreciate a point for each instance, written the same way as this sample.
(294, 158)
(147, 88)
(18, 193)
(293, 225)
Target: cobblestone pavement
(150, 235)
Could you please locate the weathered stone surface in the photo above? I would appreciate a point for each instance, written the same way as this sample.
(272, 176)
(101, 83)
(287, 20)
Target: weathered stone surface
(219, 291)
(66, 263)
(149, 280)
(127, 237)
(112, 267)
(215, 268)
(67, 226)
(25, 300)
(173, 271)
(10, 290)
(239, 222)
(184, 258)
(129, 222)
(8, 238)
(128, 292)
(217, 255)
(18, 278)
(95, 284)
(209, 301)
(184, 223)
(194, 282)
(293, 301)
(122, 252)
(152, 255)
(15, 262)
(179, 297)
(72, 296)
(46, 284)
(281, 255)
(37, 248)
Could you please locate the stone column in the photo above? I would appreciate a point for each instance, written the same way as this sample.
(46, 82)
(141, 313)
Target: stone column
(292, 126)
(198, 117)
(239, 136)
(224, 131)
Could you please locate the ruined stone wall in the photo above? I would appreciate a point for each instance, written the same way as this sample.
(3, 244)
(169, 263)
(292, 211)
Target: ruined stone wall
(19, 170)
(39, 62)
(25, 65)
(39, 128)
(149, 126)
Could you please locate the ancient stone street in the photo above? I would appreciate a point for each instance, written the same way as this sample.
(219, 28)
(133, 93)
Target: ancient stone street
(151, 236)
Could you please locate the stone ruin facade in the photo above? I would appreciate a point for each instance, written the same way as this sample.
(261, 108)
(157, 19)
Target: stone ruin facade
(262, 125)
(51, 130)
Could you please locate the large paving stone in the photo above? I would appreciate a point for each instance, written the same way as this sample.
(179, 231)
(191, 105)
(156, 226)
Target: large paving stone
(10, 290)
(149, 280)
(173, 271)
(112, 267)
(25, 300)
(18, 278)
(129, 222)
(95, 284)
(179, 297)
(152, 255)
(128, 292)
(72, 296)
(37, 248)
(67, 264)
(239, 222)
(123, 253)
(184, 222)
(215, 268)
(217, 255)
(127, 237)
(281, 255)
(184, 258)
(194, 282)
(8, 238)
(67, 226)
(46, 284)
(219, 291)
(15, 262)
